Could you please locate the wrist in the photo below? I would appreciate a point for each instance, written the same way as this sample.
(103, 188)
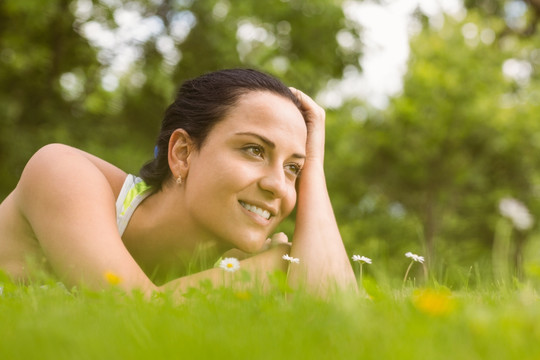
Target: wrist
(313, 168)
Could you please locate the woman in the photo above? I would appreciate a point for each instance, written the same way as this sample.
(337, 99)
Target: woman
(227, 167)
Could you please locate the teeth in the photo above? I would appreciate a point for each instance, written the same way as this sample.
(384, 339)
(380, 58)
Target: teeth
(261, 212)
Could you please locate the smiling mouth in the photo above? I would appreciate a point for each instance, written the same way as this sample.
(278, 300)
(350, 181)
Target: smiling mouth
(256, 210)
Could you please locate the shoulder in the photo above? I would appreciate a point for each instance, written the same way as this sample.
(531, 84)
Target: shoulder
(61, 162)
(60, 169)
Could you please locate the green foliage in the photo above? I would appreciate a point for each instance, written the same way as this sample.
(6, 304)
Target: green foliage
(427, 173)
(35, 50)
(434, 152)
(521, 17)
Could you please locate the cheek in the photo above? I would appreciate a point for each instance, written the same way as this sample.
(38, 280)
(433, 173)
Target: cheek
(216, 188)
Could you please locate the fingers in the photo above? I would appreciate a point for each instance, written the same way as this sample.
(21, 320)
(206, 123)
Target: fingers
(308, 105)
(303, 98)
(274, 240)
(278, 238)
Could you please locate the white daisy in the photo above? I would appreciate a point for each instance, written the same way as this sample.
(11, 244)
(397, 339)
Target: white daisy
(516, 211)
(415, 257)
(291, 259)
(361, 259)
(229, 264)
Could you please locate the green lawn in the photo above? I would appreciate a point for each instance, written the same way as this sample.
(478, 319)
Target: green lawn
(50, 322)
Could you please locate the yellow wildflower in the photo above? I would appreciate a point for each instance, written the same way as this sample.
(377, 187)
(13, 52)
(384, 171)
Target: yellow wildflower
(433, 302)
(112, 278)
(243, 295)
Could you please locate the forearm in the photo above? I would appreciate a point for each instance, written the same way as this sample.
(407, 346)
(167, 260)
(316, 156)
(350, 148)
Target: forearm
(316, 240)
(259, 266)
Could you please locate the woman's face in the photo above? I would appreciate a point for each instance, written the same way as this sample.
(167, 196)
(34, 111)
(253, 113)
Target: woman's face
(241, 183)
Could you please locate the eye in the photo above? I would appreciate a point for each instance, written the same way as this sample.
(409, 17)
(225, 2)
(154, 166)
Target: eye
(254, 150)
(293, 168)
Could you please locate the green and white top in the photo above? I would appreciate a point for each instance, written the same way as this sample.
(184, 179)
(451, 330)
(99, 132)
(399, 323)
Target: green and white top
(133, 192)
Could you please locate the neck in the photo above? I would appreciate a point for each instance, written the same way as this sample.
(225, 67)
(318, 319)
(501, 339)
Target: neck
(163, 239)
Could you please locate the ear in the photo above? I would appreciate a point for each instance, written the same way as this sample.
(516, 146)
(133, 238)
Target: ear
(180, 148)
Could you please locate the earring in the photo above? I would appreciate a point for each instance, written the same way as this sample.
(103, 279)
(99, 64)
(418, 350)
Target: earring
(179, 180)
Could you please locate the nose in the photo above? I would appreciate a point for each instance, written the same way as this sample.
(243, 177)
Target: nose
(275, 182)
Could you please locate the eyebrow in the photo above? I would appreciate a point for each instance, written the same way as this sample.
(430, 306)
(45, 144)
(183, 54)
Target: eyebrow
(268, 142)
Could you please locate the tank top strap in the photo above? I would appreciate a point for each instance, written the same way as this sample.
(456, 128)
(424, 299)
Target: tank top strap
(133, 192)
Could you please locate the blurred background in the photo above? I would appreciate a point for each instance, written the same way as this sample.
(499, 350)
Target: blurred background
(433, 134)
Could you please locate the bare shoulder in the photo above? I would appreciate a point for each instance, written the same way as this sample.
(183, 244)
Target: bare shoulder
(60, 164)
(59, 177)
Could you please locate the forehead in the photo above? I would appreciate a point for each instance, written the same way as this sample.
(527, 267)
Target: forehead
(273, 115)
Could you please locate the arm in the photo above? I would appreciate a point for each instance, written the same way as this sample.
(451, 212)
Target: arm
(316, 240)
(70, 205)
(259, 266)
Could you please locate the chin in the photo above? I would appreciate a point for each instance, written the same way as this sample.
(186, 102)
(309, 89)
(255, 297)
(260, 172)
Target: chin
(251, 246)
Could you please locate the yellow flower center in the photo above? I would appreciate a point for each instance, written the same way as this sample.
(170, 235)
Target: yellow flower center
(229, 265)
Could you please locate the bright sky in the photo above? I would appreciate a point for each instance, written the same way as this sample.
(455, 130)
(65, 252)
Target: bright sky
(387, 26)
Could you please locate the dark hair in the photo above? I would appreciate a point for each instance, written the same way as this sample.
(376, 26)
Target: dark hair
(200, 104)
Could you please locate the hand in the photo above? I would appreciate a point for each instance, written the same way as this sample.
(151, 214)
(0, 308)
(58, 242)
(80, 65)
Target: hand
(271, 242)
(275, 240)
(315, 116)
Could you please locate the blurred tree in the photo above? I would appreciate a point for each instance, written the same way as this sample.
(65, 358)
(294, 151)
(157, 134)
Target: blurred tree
(521, 16)
(98, 74)
(460, 137)
(38, 52)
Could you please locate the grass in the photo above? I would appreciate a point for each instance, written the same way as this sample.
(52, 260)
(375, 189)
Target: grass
(383, 322)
